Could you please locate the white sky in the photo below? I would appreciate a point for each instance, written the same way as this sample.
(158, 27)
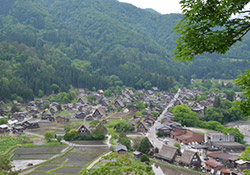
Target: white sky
(162, 6)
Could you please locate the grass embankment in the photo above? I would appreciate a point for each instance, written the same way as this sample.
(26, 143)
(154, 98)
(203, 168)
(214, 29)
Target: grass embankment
(9, 143)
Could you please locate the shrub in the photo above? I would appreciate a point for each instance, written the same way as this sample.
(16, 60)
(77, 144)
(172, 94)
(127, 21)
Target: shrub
(71, 135)
(177, 145)
(144, 158)
(144, 146)
(49, 135)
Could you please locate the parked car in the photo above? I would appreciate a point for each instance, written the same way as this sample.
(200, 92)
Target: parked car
(30, 164)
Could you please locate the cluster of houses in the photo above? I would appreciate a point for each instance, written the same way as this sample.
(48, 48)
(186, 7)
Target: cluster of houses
(216, 153)
(187, 97)
(18, 127)
(83, 109)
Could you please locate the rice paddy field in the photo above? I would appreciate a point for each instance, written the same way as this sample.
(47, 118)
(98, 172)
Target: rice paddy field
(69, 163)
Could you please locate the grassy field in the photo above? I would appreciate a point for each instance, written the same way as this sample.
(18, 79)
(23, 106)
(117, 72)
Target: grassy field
(7, 143)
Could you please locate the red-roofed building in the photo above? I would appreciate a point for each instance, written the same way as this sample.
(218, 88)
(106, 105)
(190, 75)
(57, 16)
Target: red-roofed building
(224, 158)
(186, 136)
(178, 132)
(213, 166)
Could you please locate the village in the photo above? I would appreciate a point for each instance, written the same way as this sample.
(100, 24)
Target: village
(139, 113)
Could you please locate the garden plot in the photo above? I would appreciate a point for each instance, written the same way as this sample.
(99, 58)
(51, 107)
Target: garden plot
(46, 168)
(32, 156)
(80, 159)
(72, 162)
(36, 155)
(36, 173)
(88, 142)
(47, 126)
(68, 170)
(47, 149)
(90, 149)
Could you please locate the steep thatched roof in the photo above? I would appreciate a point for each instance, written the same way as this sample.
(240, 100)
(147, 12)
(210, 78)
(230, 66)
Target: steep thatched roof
(186, 157)
(168, 152)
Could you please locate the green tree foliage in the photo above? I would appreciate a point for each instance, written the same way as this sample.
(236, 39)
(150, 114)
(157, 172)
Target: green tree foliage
(40, 93)
(5, 166)
(49, 48)
(67, 128)
(99, 132)
(177, 145)
(3, 121)
(49, 135)
(71, 135)
(208, 27)
(144, 158)
(244, 84)
(14, 109)
(124, 140)
(122, 164)
(55, 88)
(59, 138)
(185, 116)
(214, 114)
(230, 94)
(228, 112)
(140, 105)
(246, 156)
(217, 102)
(144, 146)
(124, 127)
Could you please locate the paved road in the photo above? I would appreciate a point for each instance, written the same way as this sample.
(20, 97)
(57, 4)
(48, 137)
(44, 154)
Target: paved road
(152, 132)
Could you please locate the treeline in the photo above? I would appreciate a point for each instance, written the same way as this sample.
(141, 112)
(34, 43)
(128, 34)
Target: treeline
(88, 44)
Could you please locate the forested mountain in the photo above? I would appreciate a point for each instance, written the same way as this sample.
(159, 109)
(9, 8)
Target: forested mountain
(95, 43)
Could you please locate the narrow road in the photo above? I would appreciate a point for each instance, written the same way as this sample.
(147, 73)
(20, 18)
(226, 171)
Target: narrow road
(108, 141)
(152, 132)
(97, 160)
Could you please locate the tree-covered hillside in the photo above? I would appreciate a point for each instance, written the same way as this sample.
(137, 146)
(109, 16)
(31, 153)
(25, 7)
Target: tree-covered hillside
(94, 43)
